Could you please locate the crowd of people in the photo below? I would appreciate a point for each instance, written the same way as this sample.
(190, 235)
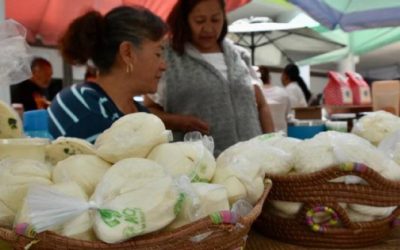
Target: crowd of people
(189, 73)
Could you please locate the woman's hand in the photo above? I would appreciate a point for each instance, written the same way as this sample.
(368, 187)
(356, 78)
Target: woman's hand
(177, 122)
(192, 123)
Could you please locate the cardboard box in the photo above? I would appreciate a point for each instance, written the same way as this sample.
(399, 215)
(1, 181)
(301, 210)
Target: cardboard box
(308, 113)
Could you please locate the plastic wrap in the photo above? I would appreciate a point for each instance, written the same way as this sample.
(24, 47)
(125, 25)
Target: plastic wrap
(191, 157)
(200, 200)
(16, 175)
(241, 177)
(85, 170)
(376, 126)
(258, 151)
(15, 57)
(207, 141)
(64, 147)
(332, 148)
(135, 197)
(390, 146)
(10, 122)
(133, 135)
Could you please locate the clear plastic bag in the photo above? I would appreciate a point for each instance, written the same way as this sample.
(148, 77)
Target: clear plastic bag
(192, 157)
(241, 178)
(134, 197)
(15, 53)
(201, 199)
(390, 146)
(16, 176)
(206, 159)
(133, 135)
(207, 141)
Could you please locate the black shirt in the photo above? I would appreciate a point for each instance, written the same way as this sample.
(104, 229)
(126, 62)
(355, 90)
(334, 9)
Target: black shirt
(27, 93)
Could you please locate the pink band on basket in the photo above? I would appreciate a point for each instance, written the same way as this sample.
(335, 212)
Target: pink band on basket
(226, 217)
(350, 166)
(318, 227)
(25, 229)
(360, 167)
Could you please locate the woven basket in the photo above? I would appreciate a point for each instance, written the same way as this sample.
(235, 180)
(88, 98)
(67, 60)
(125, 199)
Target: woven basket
(213, 232)
(318, 194)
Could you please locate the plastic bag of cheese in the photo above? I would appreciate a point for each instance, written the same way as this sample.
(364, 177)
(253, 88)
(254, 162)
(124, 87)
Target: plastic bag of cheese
(64, 147)
(16, 176)
(133, 135)
(135, 197)
(390, 146)
(241, 178)
(279, 140)
(189, 158)
(10, 122)
(331, 148)
(78, 228)
(258, 151)
(85, 170)
(376, 126)
(200, 200)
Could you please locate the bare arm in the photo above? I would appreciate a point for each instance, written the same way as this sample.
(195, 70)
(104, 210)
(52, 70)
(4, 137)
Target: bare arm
(183, 123)
(264, 114)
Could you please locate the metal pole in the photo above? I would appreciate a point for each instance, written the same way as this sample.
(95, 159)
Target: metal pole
(4, 88)
(253, 49)
(67, 72)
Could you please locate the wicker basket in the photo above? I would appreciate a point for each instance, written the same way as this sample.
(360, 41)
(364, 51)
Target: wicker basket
(318, 194)
(209, 233)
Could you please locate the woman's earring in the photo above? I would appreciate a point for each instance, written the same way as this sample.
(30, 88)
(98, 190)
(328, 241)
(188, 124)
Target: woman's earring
(129, 68)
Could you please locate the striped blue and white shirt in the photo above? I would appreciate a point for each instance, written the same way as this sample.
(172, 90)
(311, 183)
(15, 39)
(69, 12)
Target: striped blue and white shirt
(83, 111)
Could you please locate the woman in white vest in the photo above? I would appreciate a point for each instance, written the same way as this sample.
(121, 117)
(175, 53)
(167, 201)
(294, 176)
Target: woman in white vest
(295, 86)
(207, 86)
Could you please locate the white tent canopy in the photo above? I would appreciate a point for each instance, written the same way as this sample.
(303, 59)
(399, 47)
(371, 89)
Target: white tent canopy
(265, 39)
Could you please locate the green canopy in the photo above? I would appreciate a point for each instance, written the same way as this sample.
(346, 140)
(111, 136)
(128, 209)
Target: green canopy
(358, 43)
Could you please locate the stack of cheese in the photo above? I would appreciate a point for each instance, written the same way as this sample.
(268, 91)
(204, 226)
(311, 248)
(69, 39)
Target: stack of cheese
(332, 148)
(124, 193)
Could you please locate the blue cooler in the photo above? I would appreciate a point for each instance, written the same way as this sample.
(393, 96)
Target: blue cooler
(304, 129)
(36, 123)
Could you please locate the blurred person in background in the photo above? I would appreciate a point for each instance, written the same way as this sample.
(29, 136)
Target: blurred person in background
(126, 46)
(277, 99)
(295, 86)
(208, 85)
(31, 93)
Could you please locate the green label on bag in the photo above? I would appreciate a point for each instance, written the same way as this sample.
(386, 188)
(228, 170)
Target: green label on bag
(133, 216)
(110, 217)
(179, 204)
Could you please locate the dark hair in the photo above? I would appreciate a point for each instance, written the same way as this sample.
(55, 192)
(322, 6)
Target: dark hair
(179, 24)
(97, 37)
(39, 62)
(264, 71)
(293, 72)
